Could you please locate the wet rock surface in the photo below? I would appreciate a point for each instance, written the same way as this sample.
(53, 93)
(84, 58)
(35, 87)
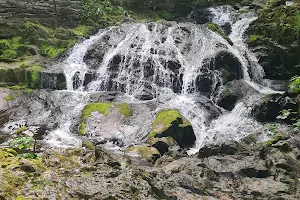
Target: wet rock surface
(234, 170)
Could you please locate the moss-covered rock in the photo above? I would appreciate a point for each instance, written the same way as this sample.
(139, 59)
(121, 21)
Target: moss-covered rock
(25, 76)
(277, 29)
(170, 123)
(102, 108)
(149, 153)
(215, 28)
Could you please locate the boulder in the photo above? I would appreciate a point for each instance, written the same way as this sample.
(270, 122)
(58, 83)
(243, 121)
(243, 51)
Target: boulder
(229, 148)
(170, 123)
(271, 107)
(233, 92)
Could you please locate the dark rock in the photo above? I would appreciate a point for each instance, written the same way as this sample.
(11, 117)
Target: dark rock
(271, 106)
(233, 92)
(254, 173)
(49, 80)
(229, 148)
(229, 66)
(183, 134)
(162, 147)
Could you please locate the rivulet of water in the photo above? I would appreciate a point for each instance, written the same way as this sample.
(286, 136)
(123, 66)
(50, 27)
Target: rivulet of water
(173, 57)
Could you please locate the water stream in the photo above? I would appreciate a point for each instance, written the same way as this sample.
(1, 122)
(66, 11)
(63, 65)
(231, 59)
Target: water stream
(169, 58)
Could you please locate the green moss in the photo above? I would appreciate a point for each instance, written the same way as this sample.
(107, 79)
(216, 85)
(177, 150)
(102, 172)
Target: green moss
(95, 107)
(88, 145)
(87, 112)
(9, 97)
(124, 109)
(6, 153)
(274, 140)
(82, 127)
(102, 108)
(164, 120)
(10, 184)
(82, 30)
(253, 38)
(144, 151)
(35, 75)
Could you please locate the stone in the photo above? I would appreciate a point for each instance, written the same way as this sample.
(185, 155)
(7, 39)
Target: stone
(229, 148)
(170, 123)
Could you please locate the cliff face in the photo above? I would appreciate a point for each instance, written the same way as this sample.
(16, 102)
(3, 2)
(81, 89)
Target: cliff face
(52, 13)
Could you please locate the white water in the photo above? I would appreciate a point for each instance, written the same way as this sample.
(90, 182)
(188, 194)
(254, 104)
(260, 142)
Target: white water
(141, 47)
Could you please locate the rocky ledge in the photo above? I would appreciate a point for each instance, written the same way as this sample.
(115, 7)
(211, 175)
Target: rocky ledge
(249, 169)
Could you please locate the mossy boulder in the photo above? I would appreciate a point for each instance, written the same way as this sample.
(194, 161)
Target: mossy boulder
(25, 75)
(171, 124)
(103, 108)
(15, 171)
(149, 153)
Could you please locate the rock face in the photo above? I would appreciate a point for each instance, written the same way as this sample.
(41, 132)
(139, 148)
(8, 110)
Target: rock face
(52, 13)
(233, 92)
(275, 39)
(245, 170)
(269, 109)
(170, 53)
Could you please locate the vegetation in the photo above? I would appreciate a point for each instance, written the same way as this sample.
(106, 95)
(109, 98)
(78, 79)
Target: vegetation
(9, 97)
(145, 151)
(295, 84)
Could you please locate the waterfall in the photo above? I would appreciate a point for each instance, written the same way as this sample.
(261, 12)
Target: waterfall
(176, 59)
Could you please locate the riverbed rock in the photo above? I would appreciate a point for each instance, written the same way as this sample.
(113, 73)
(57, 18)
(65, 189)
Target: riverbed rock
(273, 106)
(233, 92)
(115, 122)
(170, 124)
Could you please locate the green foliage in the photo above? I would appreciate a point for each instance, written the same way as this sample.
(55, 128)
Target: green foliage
(272, 128)
(28, 156)
(102, 12)
(253, 38)
(22, 143)
(297, 125)
(295, 84)
(9, 97)
(82, 30)
(298, 20)
(20, 130)
(284, 114)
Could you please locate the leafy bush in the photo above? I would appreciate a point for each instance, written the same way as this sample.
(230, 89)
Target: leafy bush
(295, 84)
(22, 143)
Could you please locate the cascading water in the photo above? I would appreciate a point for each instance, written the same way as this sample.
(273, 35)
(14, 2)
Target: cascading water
(175, 59)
